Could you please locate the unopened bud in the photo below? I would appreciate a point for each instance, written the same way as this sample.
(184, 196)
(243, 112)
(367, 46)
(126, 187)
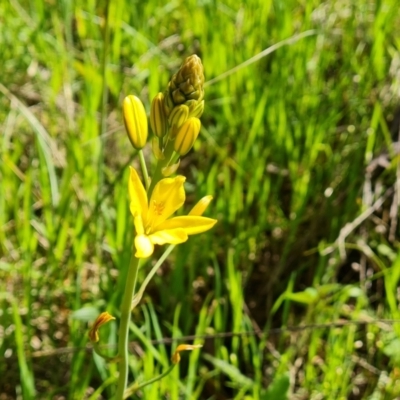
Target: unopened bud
(178, 117)
(186, 87)
(197, 109)
(187, 83)
(186, 136)
(135, 121)
(158, 119)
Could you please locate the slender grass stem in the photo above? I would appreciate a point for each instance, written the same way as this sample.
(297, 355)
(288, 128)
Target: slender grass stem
(124, 326)
(103, 122)
(136, 386)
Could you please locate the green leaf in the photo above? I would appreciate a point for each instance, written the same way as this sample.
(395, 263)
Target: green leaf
(85, 314)
(278, 390)
(236, 376)
(309, 296)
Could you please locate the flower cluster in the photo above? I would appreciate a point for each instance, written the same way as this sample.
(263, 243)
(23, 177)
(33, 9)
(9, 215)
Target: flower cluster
(175, 122)
(174, 115)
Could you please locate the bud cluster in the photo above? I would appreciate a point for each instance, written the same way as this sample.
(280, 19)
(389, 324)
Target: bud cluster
(174, 114)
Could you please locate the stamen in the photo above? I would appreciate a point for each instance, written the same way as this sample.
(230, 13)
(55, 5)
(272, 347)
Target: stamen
(158, 207)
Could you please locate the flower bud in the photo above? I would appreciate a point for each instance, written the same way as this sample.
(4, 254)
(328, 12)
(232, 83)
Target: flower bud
(158, 119)
(178, 116)
(187, 83)
(186, 136)
(197, 109)
(135, 121)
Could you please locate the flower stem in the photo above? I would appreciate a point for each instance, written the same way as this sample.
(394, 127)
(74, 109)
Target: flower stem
(123, 353)
(137, 386)
(144, 169)
(168, 153)
(138, 296)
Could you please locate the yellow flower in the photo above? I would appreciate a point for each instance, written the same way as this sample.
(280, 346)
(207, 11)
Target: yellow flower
(151, 218)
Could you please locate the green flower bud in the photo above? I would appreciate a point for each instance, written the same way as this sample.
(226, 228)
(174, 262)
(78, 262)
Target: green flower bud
(187, 83)
(177, 118)
(196, 110)
(158, 119)
(135, 121)
(187, 135)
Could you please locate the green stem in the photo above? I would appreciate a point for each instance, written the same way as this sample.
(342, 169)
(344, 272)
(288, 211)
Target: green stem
(138, 296)
(124, 326)
(136, 386)
(156, 177)
(144, 169)
(103, 120)
(97, 349)
(169, 150)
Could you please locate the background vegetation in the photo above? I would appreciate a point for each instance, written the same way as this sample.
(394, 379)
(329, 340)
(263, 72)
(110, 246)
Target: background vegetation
(299, 149)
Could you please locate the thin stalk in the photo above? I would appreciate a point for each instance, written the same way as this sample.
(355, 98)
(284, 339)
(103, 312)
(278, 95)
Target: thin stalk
(103, 122)
(136, 386)
(169, 151)
(138, 296)
(124, 326)
(97, 349)
(144, 169)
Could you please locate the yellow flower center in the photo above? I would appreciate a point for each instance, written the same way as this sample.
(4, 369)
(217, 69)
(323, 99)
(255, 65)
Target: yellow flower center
(158, 207)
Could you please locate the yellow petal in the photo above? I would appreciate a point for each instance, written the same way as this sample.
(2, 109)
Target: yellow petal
(190, 224)
(182, 347)
(144, 246)
(138, 221)
(170, 236)
(137, 194)
(201, 206)
(168, 195)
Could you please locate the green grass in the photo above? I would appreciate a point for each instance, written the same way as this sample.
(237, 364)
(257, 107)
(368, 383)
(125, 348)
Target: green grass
(284, 150)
